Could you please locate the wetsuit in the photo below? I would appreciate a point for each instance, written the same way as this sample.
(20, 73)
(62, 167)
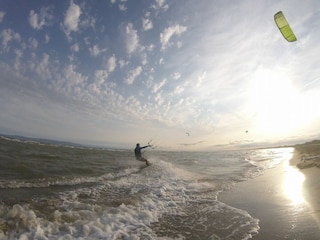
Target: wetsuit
(137, 153)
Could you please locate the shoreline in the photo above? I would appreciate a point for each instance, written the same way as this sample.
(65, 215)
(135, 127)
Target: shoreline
(285, 199)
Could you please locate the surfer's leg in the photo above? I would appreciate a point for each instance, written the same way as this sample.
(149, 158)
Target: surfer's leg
(147, 162)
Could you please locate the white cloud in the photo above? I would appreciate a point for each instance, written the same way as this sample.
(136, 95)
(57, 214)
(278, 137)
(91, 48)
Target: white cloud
(19, 55)
(168, 33)
(178, 90)
(100, 76)
(122, 63)
(42, 68)
(37, 21)
(75, 47)
(72, 18)
(144, 59)
(158, 86)
(33, 43)
(160, 4)
(133, 74)
(112, 64)
(132, 39)
(72, 80)
(122, 7)
(176, 75)
(47, 38)
(201, 78)
(159, 99)
(150, 48)
(8, 35)
(2, 14)
(94, 51)
(89, 21)
(146, 24)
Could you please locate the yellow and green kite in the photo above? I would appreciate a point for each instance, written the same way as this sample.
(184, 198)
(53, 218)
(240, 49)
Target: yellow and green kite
(284, 27)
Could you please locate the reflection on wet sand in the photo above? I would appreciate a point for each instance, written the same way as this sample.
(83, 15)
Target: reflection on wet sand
(293, 184)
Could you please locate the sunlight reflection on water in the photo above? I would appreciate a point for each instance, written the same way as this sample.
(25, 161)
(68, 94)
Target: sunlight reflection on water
(293, 184)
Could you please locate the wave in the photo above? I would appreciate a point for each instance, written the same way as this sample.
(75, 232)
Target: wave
(159, 201)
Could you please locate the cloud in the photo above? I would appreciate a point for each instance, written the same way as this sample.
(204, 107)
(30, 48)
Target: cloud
(122, 63)
(71, 82)
(94, 51)
(122, 7)
(159, 99)
(89, 21)
(144, 59)
(47, 38)
(72, 18)
(100, 76)
(133, 74)
(33, 43)
(8, 35)
(146, 24)
(42, 67)
(19, 55)
(75, 47)
(176, 75)
(132, 39)
(160, 4)
(158, 86)
(111, 64)
(201, 78)
(178, 90)
(2, 14)
(39, 20)
(168, 33)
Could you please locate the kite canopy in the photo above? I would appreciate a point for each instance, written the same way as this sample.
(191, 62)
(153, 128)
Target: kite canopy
(284, 27)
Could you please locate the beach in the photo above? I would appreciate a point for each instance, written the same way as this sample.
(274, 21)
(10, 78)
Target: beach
(285, 199)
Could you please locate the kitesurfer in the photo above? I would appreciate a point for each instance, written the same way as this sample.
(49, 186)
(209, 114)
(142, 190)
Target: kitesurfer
(137, 153)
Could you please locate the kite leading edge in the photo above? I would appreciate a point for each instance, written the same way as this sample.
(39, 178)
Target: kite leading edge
(284, 27)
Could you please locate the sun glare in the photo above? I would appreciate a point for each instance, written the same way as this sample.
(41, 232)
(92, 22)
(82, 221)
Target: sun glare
(277, 104)
(293, 184)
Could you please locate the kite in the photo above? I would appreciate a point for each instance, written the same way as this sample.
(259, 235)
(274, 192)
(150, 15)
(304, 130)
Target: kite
(284, 27)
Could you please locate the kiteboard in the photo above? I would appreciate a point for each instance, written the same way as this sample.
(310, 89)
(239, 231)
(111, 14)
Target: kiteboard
(143, 167)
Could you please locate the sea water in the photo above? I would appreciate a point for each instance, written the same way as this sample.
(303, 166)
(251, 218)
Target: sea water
(64, 192)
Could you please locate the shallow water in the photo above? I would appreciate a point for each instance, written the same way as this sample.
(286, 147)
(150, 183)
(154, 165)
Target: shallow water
(63, 192)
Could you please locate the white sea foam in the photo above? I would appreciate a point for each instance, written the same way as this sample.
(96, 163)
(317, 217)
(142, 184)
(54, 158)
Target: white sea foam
(142, 199)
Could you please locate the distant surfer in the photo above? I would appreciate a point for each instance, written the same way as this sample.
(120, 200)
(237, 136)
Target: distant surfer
(137, 153)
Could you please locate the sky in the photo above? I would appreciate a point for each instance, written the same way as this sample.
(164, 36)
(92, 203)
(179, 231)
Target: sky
(185, 75)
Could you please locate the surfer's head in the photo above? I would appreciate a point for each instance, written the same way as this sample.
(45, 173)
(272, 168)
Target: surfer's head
(138, 144)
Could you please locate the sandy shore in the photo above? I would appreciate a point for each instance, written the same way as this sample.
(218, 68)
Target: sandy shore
(286, 199)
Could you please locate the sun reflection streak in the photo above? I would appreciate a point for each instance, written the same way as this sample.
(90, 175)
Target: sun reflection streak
(293, 184)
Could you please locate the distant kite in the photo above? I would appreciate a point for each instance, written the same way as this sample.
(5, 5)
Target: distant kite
(188, 133)
(246, 131)
(284, 27)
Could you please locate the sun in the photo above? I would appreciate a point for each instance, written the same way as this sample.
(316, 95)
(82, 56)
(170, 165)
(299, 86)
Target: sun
(277, 105)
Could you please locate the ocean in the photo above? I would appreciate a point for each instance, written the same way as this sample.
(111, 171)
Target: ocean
(52, 191)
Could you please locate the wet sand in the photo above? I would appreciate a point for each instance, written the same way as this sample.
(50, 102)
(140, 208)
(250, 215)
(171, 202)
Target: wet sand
(286, 199)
